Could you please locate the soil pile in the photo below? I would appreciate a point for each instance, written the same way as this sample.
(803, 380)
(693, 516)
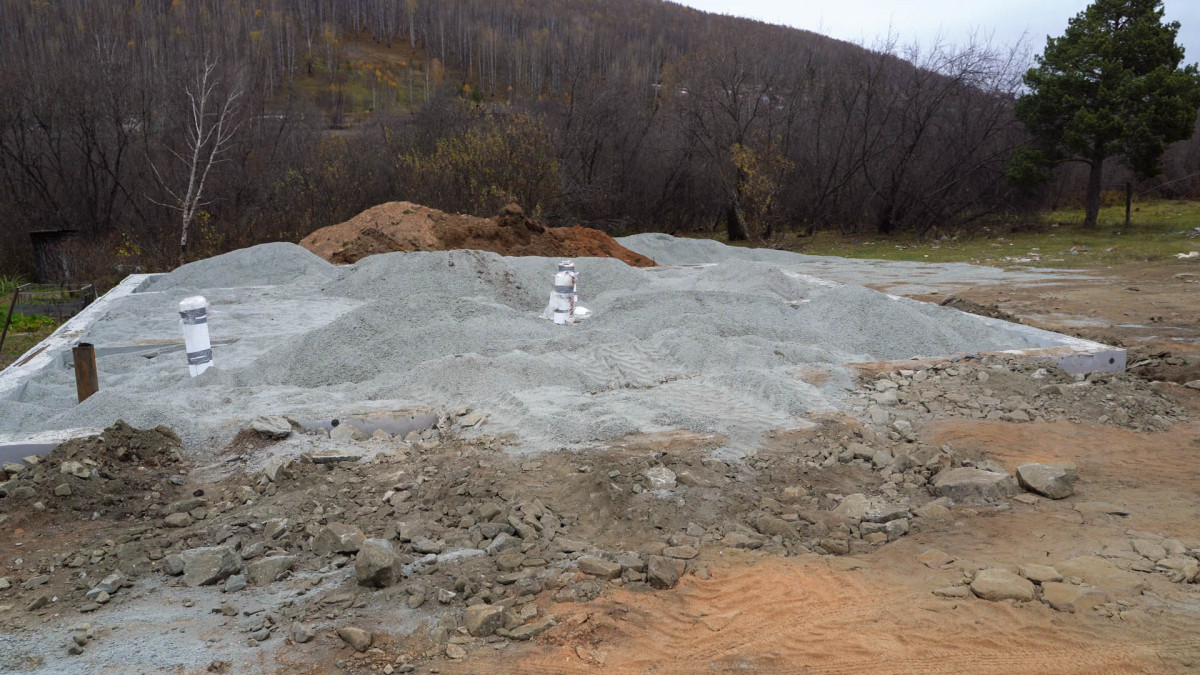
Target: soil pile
(404, 226)
(101, 472)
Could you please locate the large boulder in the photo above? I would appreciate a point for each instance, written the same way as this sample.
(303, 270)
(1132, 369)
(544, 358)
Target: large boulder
(997, 584)
(1055, 481)
(210, 565)
(337, 538)
(377, 564)
(973, 485)
(663, 572)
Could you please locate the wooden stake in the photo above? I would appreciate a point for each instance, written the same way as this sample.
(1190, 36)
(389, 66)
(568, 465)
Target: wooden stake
(87, 381)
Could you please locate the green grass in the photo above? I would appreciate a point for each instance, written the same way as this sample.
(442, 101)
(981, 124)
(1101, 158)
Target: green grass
(24, 332)
(1159, 231)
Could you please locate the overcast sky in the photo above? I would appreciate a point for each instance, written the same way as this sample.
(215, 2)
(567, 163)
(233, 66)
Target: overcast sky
(864, 21)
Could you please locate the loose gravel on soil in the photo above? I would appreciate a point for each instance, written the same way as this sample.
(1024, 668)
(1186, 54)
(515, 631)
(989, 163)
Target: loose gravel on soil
(721, 348)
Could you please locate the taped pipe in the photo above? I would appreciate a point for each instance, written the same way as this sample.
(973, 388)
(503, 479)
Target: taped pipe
(193, 319)
(564, 295)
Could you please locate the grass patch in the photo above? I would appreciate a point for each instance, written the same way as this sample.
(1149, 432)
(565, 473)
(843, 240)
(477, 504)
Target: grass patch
(1160, 229)
(24, 332)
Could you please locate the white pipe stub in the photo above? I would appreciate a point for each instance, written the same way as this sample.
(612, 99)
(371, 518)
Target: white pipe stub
(193, 319)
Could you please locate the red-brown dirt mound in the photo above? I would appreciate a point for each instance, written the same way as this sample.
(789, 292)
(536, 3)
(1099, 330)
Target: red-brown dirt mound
(404, 226)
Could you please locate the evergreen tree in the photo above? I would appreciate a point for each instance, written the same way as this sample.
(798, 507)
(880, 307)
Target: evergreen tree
(1111, 86)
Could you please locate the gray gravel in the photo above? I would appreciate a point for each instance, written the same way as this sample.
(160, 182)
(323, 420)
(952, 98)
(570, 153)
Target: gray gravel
(717, 348)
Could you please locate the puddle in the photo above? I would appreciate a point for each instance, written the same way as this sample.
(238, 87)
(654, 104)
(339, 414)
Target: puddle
(393, 423)
(13, 452)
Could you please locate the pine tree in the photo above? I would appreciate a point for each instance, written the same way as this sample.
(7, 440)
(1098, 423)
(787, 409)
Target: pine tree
(1111, 86)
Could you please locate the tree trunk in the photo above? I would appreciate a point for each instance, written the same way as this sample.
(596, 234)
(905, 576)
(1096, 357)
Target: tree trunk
(1092, 202)
(735, 224)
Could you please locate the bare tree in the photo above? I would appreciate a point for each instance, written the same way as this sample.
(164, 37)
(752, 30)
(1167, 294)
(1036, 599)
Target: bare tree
(209, 131)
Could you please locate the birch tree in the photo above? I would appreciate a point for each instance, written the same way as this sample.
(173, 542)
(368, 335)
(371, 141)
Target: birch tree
(210, 129)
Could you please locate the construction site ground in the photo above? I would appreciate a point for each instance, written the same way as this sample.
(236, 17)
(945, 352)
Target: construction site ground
(611, 564)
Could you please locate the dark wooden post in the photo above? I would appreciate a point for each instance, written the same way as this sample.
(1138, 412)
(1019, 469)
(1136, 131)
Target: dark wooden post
(1128, 202)
(87, 381)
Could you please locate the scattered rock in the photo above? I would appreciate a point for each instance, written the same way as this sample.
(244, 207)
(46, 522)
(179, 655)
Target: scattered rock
(337, 538)
(1071, 598)
(664, 572)
(109, 584)
(1055, 481)
(599, 568)
(935, 559)
(357, 638)
(1040, 574)
(952, 592)
(268, 570)
(302, 633)
(661, 478)
(483, 620)
(207, 566)
(177, 520)
(973, 485)
(377, 564)
(1102, 574)
(997, 584)
(272, 426)
(76, 469)
(455, 652)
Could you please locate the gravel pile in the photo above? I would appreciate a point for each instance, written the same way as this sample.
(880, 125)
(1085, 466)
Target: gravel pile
(719, 348)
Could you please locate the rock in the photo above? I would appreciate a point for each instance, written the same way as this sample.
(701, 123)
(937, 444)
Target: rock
(253, 550)
(531, 630)
(998, 584)
(424, 545)
(235, 583)
(881, 512)
(661, 478)
(109, 584)
(483, 620)
(76, 469)
(1102, 574)
(1055, 481)
(337, 538)
(664, 572)
(1040, 574)
(680, 552)
(599, 568)
(335, 456)
(935, 559)
(569, 545)
(347, 433)
(933, 511)
(772, 526)
(268, 570)
(1152, 550)
(835, 546)
(1179, 568)
(973, 485)
(5, 584)
(63, 490)
(271, 426)
(952, 592)
(854, 506)
(896, 528)
(356, 637)
(455, 652)
(16, 468)
(740, 540)
(377, 564)
(207, 566)
(173, 564)
(302, 633)
(1070, 598)
(177, 520)
(37, 603)
(273, 467)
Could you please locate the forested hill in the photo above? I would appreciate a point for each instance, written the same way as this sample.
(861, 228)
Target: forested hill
(628, 114)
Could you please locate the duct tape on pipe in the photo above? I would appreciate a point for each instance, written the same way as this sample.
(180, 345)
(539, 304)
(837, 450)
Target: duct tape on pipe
(197, 358)
(194, 317)
(569, 290)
